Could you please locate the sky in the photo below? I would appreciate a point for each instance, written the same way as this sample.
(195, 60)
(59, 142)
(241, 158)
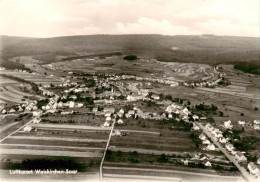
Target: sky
(53, 18)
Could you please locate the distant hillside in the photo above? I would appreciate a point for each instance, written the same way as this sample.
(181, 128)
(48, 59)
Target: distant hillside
(208, 49)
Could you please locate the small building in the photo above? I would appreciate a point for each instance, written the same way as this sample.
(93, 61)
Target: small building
(240, 157)
(36, 120)
(207, 164)
(207, 142)
(241, 122)
(195, 127)
(223, 140)
(211, 147)
(120, 121)
(253, 168)
(257, 122)
(155, 97)
(71, 104)
(27, 128)
(3, 111)
(106, 124)
(37, 113)
(229, 147)
(109, 109)
(228, 124)
(108, 118)
(95, 109)
(202, 137)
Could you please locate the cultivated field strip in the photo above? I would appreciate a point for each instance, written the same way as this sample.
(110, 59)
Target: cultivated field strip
(52, 148)
(10, 99)
(143, 151)
(64, 126)
(50, 153)
(56, 138)
(54, 143)
(12, 89)
(131, 172)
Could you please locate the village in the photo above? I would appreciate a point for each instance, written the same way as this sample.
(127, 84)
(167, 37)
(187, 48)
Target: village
(123, 104)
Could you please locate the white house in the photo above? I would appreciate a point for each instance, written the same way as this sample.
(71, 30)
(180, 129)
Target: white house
(195, 127)
(108, 118)
(258, 161)
(211, 147)
(116, 133)
(240, 157)
(223, 140)
(169, 116)
(80, 105)
(120, 121)
(12, 110)
(37, 113)
(241, 122)
(27, 128)
(185, 111)
(95, 109)
(195, 117)
(206, 142)
(207, 164)
(257, 122)
(253, 168)
(155, 97)
(228, 124)
(71, 104)
(202, 137)
(3, 111)
(229, 147)
(36, 120)
(106, 124)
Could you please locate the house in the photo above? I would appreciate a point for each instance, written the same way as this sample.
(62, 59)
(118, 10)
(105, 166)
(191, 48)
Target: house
(109, 109)
(121, 111)
(185, 111)
(195, 117)
(228, 124)
(106, 124)
(257, 127)
(80, 105)
(155, 97)
(257, 122)
(37, 113)
(27, 128)
(202, 137)
(71, 104)
(206, 142)
(207, 164)
(240, 157)
(116, 133)
(229, 147)
(241, 122)
(131, 112)
(108, 118)
(253, 168)
(258, 160)
(223, 140)
(3, 111)
(36, 120)
(12, 110)
(185, 162)
(169, 116)
(211, 147)
(120, 121)
(195, 127)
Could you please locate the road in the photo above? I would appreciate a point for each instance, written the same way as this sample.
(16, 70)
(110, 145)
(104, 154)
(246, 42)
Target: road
(102, 161)
(245, 174)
